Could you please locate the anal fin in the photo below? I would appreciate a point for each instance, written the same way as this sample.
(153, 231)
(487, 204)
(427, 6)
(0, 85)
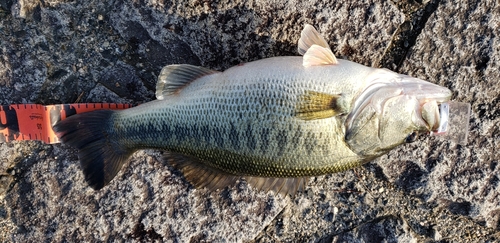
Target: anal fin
(173, 78)
(315, 105)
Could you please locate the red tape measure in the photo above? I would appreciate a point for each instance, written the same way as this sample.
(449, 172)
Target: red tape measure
(34, 122)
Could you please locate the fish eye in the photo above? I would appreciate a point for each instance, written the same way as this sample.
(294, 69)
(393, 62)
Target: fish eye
(412, 137)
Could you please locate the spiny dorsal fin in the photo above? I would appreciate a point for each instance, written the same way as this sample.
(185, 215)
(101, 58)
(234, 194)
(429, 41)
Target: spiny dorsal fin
(283, 186)
(314, 48)
(315, 105)
(199, 174)
(173, 78)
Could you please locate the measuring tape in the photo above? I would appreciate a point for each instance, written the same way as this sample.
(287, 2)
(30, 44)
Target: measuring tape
(34, 122)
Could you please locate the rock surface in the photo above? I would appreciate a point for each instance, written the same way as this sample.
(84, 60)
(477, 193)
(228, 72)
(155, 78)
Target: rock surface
(112, 51)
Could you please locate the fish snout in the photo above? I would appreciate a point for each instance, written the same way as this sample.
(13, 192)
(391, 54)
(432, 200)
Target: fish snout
(430, 97)
(425, 91)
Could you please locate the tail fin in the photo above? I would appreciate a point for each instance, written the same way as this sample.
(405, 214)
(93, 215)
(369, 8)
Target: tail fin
(101, 155)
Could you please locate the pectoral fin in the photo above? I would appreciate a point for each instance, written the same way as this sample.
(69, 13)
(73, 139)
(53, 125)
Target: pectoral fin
(315, 105)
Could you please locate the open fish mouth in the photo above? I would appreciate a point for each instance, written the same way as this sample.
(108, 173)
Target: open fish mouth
(431, 97)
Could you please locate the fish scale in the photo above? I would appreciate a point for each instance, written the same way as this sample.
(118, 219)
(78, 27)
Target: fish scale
(274, 122)
(267, 108)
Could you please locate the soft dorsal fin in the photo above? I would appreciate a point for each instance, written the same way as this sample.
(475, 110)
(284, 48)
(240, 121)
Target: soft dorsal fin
(200, 174)
(315, 105)
(173, 78)
(314, 48)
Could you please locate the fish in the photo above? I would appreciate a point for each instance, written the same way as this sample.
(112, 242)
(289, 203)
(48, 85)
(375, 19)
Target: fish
(273, 122)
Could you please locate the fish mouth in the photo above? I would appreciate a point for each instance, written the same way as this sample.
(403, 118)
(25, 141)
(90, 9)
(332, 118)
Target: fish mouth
(429, 116)
(387, 84)
(430, 97)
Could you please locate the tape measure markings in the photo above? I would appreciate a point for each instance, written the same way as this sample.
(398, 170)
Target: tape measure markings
(34, 121)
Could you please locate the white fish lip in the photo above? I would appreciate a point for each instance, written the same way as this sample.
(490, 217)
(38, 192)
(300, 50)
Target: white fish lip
(424, 91)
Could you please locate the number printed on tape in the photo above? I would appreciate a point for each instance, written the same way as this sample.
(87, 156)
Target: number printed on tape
(34, 121)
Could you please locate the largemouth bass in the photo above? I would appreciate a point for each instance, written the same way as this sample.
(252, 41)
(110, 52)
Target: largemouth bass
(274, 122)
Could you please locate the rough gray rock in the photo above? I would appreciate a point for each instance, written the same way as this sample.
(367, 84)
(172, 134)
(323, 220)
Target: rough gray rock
(112, 51)
(463, 53)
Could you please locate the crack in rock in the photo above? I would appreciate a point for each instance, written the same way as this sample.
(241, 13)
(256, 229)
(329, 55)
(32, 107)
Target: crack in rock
(405, 37)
